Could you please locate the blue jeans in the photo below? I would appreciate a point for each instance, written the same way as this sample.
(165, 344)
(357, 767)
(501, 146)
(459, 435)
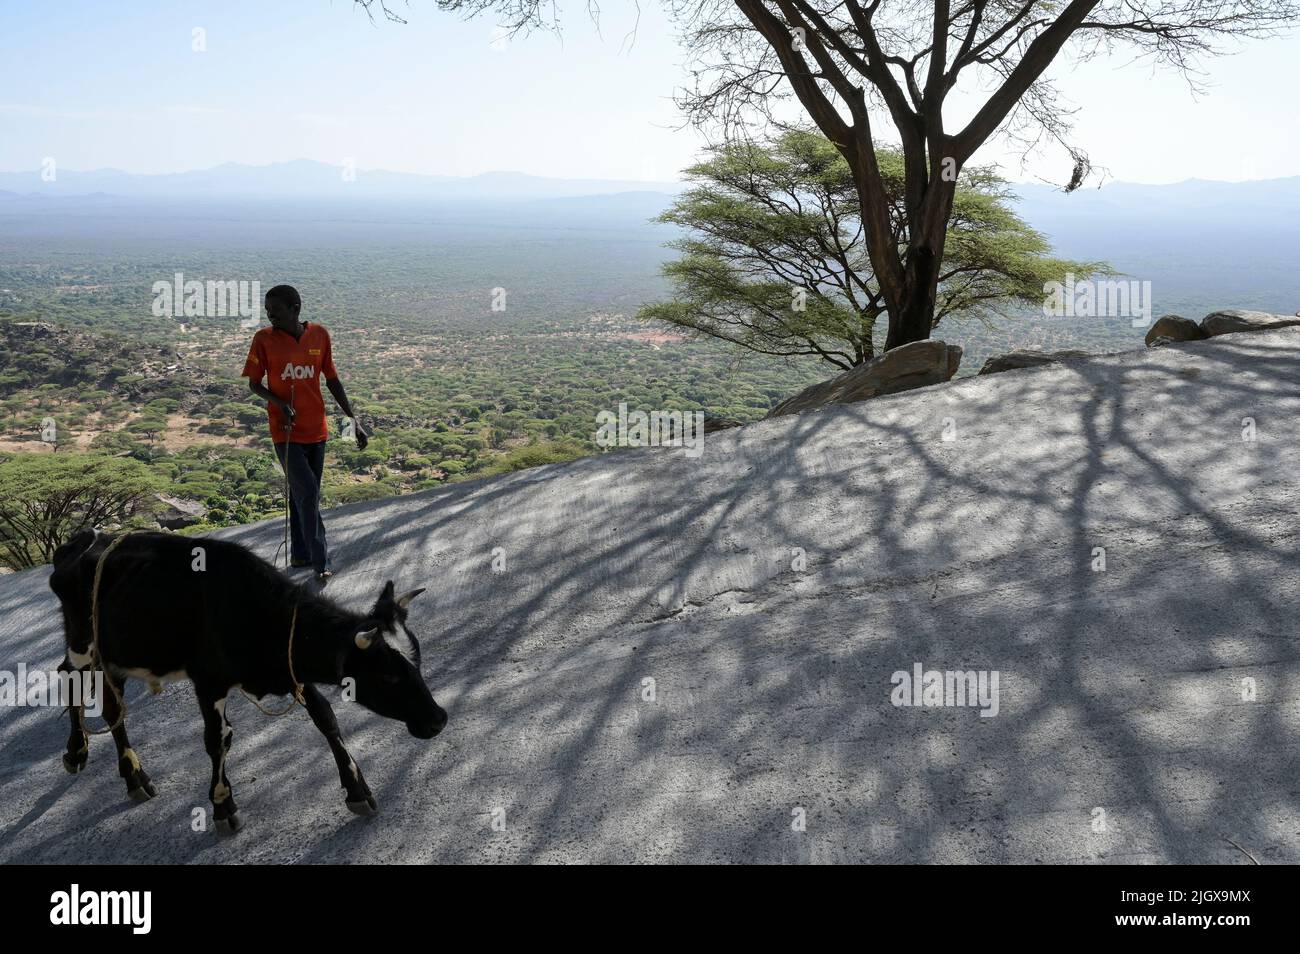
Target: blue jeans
(306, 528)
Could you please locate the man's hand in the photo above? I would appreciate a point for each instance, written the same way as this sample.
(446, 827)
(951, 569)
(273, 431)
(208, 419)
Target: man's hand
(271, 400)
(335, 386)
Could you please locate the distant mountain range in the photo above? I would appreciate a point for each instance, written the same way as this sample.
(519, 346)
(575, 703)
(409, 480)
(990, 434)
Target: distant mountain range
(1202, 244)
(307, 179)
(1196, 202)
(1268, 202)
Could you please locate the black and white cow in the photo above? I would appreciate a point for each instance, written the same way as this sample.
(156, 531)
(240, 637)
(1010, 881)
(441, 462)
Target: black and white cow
(221, 619)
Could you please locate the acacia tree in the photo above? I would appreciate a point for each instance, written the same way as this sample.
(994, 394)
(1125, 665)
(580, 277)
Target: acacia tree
(872, 73)
(774, 261)
(47, 498)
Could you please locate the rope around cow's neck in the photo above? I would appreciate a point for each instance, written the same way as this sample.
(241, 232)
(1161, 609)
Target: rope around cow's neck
(297, 699)
(97, 658)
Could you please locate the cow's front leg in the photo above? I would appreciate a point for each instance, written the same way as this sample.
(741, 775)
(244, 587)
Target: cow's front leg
(359, 799)
(217, 737)
(138, 786)
(78, 750)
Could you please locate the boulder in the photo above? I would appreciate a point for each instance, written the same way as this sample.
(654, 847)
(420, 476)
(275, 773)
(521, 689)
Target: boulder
(712, 424)
(1027, 359)
(908, 366)
(176, 513)
(1174, 328)
(1231, 320)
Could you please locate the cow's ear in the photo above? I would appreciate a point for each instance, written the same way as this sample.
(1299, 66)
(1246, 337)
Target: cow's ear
(366, 638)
(387, 593)
(404, 600)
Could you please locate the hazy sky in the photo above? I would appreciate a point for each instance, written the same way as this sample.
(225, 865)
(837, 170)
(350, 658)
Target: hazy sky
(119, 85)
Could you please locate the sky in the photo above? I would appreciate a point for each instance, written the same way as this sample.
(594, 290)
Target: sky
(125, 86)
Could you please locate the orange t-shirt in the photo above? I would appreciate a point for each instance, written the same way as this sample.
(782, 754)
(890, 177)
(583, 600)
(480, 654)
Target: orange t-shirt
(293, 369)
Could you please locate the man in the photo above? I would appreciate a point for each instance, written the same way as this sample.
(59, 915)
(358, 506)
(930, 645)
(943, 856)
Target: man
(293, 355)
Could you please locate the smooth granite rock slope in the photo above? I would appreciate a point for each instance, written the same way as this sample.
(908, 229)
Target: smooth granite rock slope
(1148, 712)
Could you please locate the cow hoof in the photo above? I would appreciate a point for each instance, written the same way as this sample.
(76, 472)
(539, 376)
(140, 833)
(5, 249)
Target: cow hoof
(229, 825)
(74, 763)
(143, 792)
(364, 808)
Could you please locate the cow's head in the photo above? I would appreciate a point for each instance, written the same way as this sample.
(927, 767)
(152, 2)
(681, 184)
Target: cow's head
(385, 662)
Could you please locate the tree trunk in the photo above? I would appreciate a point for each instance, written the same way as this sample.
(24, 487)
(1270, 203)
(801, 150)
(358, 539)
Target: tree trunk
(911, 309)
(915, 314)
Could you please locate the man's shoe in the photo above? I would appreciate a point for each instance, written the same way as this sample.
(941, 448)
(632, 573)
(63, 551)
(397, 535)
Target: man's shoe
(324, 575)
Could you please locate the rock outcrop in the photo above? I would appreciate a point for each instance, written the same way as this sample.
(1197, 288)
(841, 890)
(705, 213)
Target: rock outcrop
(1174, 328)
(177, 513)
(1027, 358)
(712, 424)
(680, 655)
(908, 366)
(1232, 320)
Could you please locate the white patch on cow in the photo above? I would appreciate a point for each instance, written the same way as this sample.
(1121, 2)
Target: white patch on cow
(226, 730)
(156, 680)
(356, 773)
(222, 791)
(80, 660)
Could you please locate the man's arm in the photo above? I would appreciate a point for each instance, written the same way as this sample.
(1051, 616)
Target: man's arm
(262, 391)
(255, 370)
(341, 396)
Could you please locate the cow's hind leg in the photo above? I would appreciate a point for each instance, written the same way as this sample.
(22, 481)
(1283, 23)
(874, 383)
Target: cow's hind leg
(359, 799)
(138, 786)
(78, 751)
(217, 738)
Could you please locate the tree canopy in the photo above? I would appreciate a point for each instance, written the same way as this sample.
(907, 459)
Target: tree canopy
(775, 258)
(47, 498)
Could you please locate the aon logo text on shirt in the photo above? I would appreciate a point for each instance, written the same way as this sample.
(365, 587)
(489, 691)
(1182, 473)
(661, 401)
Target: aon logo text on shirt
(298, 371)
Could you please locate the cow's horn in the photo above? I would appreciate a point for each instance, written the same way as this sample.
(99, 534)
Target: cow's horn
(366, 637)
(404, 600)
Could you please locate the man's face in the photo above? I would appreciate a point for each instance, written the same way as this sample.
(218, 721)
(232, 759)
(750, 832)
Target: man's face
(282, 314)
